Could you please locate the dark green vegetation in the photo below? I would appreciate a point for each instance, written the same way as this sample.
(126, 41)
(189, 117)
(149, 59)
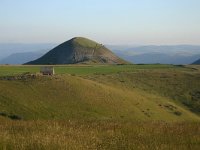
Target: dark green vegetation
(79, 50)
(109, 107)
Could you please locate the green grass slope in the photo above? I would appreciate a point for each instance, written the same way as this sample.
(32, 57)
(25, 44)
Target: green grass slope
(79, 50)
(182, 87)
(68, 96)
(100, 107)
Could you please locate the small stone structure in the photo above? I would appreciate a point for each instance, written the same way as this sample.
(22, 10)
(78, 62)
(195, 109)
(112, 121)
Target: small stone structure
(47, 70)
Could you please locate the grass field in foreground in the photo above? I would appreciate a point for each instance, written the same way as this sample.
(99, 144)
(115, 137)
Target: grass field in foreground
(76, 135)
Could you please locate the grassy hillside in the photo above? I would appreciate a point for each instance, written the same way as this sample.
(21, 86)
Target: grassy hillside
(179, 85)
(93, 92)
(69, 97)
(100, 107)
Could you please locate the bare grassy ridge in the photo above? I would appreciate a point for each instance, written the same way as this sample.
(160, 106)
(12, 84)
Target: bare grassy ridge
(98, 135)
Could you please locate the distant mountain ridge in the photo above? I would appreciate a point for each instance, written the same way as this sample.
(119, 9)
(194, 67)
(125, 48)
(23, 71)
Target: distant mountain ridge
(167, 49)
(196, 62)
(171, 54)
(150, 54)
(79, 50)
(21, 58)
(7, 49)
(161, 58)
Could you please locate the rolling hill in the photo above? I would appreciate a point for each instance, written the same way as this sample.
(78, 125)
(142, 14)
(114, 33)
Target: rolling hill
(100, 107)
(79, 50)
(69, 97)
(101, 93)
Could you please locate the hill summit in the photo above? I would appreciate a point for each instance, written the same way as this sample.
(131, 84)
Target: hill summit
(78, 50)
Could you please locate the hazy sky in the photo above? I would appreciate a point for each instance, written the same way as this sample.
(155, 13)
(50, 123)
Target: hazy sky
(106, 21)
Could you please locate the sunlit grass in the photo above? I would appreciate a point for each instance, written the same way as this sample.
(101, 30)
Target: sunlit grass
(100, 107)
(98, 135)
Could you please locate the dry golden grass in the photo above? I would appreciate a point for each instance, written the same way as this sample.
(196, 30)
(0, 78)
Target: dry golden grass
(49, 135)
